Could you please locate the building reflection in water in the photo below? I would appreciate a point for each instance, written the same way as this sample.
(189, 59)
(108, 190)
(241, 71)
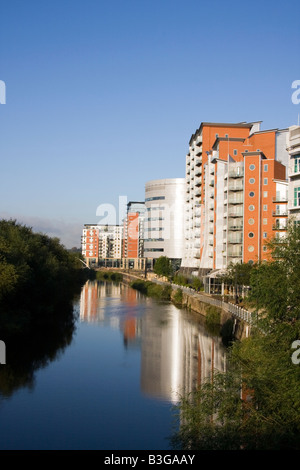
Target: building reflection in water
(177, 353)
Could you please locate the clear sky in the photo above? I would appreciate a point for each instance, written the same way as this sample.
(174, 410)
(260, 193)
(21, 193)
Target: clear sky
(103, 96)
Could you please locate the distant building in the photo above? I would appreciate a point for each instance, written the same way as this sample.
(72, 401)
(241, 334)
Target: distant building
(133, 232)
(101, 243)
(164, 219)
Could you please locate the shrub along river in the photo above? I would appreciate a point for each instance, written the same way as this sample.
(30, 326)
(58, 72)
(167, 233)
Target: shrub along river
(108, 377)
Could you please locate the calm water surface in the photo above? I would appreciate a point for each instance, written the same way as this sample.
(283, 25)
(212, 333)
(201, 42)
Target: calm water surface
(113, 384)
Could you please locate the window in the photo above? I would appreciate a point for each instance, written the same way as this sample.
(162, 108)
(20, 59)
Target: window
(252, 167)
(266, 167)
(250, 261)
(265, 234)
(265, 207)
(265, 180)
(251, 207)
(264, 248)
(265, 221)
(297, 164)
(297, 196)
(251, 194)
(265, 193)
(250, 248)
(155, 198)
(251, 221)
(226, 136)
(154, 250)
(250, 234)
(235, 152)
(252, 180)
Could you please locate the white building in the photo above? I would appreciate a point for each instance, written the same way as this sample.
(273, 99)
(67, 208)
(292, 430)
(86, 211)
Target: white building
(164, 219)
(293, 147)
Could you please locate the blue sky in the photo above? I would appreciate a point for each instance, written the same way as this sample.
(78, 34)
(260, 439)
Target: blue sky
(102, 97)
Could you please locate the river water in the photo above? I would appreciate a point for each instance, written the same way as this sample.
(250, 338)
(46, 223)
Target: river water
(114, 382)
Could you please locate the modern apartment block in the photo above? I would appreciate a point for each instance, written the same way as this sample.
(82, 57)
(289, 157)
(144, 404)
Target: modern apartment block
(164, 219)
(133, 232)
(236, 194)
(101, 243)
(293, 146)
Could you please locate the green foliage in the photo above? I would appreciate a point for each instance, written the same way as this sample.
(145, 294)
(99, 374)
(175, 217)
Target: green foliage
(178, 297)
(275, 284)
(197, 284)
(255, 404)
(237, 274)
(163, 267)
(181, 280)
(109, 276)
(34, 269)
(194, 282)
(152, 289)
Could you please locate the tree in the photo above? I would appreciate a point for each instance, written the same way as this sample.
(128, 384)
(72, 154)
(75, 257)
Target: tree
(255, 404)
(162, 266)
(275, 284)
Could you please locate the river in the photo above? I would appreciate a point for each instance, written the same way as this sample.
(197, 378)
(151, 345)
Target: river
(113, 383)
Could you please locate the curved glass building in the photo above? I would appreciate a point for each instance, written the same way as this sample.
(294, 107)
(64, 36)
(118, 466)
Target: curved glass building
(164, 219)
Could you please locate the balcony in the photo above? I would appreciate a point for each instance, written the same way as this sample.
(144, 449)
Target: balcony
(238, 238)
(235, 200)
(280, 213)
(279, 227)
(235, 213)
(280, 198)
(212, 182)
(198, 171)
(235, 186)
(235, 253)
(294, 137)
(235, 227)
(199, 140)
(237, 172)
(198, 160)
(198, 181)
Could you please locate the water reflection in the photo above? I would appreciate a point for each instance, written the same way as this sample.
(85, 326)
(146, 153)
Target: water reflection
(177, 353)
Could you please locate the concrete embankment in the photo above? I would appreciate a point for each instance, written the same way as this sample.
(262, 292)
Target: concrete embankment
(201, 303)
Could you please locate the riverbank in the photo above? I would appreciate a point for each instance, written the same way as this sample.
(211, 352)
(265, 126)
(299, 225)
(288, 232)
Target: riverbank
(234, 320)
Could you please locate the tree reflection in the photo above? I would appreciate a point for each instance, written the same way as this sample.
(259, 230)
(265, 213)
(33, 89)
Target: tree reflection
(36, 347)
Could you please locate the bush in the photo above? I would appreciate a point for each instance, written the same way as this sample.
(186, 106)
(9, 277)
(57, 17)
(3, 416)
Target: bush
(178, 297)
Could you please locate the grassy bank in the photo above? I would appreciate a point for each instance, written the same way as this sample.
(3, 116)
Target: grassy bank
(108, 276)
(152, 289)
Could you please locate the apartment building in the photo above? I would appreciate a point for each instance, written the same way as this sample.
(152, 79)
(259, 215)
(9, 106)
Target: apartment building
(101, 243)
(133, 231)
(236, 194)
(293, 147)
(164, 219)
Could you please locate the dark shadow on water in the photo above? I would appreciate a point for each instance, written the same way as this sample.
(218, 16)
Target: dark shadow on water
(40, 340)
